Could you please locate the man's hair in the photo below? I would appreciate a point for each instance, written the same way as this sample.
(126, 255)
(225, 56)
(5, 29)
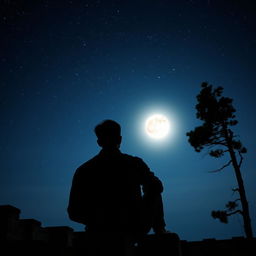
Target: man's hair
(107, 129)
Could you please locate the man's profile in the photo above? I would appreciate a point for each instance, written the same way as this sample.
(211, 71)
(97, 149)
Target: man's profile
(115, 195)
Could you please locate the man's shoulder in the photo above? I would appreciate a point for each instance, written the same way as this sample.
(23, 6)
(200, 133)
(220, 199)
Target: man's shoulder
(131, 157)
(125, 158)
(134, 159)
(88, 164)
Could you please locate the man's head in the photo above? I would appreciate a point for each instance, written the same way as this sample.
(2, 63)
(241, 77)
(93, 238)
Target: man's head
(109, 134)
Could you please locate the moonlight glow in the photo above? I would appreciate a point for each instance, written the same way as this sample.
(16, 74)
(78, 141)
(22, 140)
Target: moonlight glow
(157, 126)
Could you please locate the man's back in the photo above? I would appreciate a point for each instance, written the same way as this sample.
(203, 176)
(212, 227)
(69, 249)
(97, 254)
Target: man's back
(107, 191)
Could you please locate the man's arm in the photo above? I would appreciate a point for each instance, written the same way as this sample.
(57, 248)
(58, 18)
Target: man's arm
(152, 188)
(151, 184)
(76, 211)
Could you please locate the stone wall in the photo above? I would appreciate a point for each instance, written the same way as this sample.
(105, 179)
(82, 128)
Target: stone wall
(18, 236)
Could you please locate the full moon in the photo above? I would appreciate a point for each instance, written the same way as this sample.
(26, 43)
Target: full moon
(157, 126)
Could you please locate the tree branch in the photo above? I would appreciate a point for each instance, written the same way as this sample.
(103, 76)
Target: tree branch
(222, 142)
(235, 190)
(241, 159)
(224, 166)
(232, 213)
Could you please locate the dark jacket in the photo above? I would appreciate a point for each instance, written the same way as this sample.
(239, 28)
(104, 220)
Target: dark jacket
(107, 192)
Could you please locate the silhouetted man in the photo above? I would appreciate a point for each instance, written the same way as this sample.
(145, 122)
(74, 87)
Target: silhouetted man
(116, 196)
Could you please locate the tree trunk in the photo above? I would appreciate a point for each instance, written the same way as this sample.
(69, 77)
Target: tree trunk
(244, 202)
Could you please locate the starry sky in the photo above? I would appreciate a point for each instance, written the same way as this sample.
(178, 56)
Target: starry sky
(67, 65)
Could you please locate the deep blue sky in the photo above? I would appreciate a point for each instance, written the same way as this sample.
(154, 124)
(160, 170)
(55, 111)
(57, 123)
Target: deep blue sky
(67, 65)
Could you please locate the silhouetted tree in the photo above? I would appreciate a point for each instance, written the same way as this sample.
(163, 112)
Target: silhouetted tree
(217, 114)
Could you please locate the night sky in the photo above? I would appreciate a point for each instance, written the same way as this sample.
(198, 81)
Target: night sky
(67, 65)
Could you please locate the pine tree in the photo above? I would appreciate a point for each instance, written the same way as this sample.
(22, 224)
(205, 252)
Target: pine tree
(218, 116)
